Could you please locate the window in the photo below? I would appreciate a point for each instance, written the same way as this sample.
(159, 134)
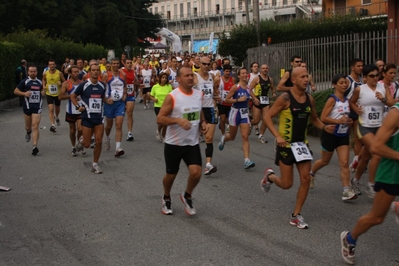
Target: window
(162, 10)
(168, 15)
(285, 2)
(195, 11)
(217, 9)
(181, 10)
(156, 10)
(188, 9)
(274, 2)
(366, 2)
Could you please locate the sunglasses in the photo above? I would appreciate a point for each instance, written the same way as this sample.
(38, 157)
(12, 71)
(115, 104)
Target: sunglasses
(206, 64)
(373, 76)
(298, 61)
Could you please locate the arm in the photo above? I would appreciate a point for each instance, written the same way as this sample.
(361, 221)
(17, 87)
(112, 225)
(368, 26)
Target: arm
(281, 86)
(388, 99)
(316, 121)
(153, 94)
(61, 77)
(44, 81)
(163, 118)
(229, 97)
(18, 92)
(388, 127)
(312, 85)
(63, 95)
(272, 87)
(282, 103)
(353, 101)
(253, 84)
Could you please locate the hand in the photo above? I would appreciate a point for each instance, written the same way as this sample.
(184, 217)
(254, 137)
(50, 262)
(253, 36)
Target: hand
(359, 110)
(274, 94)
(256, 101)
(156, 100)
(378, 95)
(110, 101)
(28, 93)
(217, 98)
(329, 128)
(281, 142)
(81, 108)
(204, 127)
(185, 124)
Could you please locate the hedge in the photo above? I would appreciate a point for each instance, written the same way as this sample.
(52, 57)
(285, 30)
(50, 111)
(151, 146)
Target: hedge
(11, 55)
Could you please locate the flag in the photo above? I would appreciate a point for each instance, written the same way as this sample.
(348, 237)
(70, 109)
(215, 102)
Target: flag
(210, 46)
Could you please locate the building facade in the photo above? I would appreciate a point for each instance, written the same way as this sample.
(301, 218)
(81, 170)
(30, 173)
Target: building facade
(198, 18)
(362, 8)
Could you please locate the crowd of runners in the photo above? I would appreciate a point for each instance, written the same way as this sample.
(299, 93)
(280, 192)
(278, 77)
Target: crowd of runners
(192, 97)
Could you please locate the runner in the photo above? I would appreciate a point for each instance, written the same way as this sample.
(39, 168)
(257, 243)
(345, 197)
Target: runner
(131, 82)
(285, 83)
(203, 81)
(369, 101)
(296, 107)
(385, 144)
(181, 114)
(31, 89)
(238, 96)
(116, 90)
(354, 81)
(259, 90)
(336, 112)
(148, 78)
(171, 71)
(72, 117)
(52, 80)
(92, 94)
(223, 84)
(254, 73)
(158, 94)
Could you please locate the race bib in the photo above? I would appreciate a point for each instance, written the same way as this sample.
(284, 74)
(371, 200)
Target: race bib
(207, 93)
(34, 97)
(192, 114)
(95, 105)
(147, 82)
(117, 95)
(342, 128)
(373, 116)
(53, 89)
(301, 151)
(244, 113)
(224, 95)
(130, 88)
(264, 100)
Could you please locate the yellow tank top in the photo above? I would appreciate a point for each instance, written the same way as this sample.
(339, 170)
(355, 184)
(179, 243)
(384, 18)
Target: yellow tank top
(52, 83)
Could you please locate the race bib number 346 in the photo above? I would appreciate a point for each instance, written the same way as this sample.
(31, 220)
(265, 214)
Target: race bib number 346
(301, 151)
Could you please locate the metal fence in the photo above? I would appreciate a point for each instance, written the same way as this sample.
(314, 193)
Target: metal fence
(328, 56)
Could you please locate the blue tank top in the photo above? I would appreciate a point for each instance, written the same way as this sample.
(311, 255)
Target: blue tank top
(239, 93)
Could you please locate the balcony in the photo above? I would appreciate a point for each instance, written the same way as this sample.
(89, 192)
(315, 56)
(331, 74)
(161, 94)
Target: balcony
(370, 10)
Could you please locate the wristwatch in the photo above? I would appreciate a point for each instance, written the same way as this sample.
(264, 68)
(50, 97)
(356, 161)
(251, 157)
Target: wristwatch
(77, 107)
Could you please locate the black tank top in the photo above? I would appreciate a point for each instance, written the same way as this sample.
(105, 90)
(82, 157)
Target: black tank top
(264, 85)
(289, 83)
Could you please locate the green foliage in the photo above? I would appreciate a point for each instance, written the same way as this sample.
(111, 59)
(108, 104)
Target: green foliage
(11, 55)
(111, 23)
(244, 37)
(320, 98)
(38, 47)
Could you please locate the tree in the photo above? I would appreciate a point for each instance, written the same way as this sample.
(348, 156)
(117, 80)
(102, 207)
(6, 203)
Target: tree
(111, 23)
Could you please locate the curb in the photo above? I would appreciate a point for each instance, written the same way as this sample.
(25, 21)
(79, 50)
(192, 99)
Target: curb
(7, 105)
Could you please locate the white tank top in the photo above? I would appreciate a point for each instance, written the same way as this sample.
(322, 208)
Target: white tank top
(206, 86)
(339, 110)
(373, 109)
(70, 108)
(172, 79)
(186, 106)
(147, 74)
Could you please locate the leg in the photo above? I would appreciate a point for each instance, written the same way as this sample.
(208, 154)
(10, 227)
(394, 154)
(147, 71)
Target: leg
(51, 113)
(286, 179)
(118, 128)
(108, 127)
(343, 158)
(168, 183)
(244, 128)
(325, 159)
(72, 133)
(194, 177)
(57, 111)
(28, 122)
(381, 204)
(356, 140)
(303, 169)
(129, 113)
(35, 128)
(222, 123)
(209, 141)
(98, 133)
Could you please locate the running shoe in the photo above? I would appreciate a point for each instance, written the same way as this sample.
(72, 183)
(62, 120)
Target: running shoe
(157, 136)
(298, 221)
(188, 205)
(53, 129)
(356, 186)
(248, 164)
(347, 250)
(349, 194)
(257, 131)
(73, 152)
(148, 105)
(370, 191)
(265, 182)
(57, 120)
(145, 107)
(129, 137)
(83, 151)
(261, 139)
(107, 144)
(35, 150)
(201, 138)
(221, 143)
(210, 169)
(228, 129)
(96, 169)
(79, 146)
(27, 136)
(141, 100)
(311, 185)
(167, 207)
(119, 152)
(92, 144)
(354, 163)
(395, 209)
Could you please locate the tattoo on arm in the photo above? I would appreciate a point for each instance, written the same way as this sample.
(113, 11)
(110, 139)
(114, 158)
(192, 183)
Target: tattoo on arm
(286, 97)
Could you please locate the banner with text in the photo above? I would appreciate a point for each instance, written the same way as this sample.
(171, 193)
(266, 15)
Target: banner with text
(203, 46)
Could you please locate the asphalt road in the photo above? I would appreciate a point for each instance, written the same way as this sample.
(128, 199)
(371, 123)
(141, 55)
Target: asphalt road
(59, 213)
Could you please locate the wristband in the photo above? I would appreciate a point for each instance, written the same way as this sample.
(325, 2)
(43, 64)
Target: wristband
(384, 100)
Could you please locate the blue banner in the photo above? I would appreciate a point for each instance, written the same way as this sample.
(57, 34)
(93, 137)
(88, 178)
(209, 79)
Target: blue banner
(203, 46)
